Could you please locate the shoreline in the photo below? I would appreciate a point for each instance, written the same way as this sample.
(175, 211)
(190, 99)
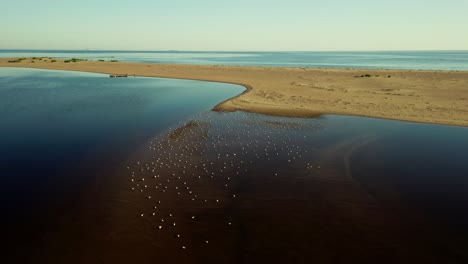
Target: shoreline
(420, 96)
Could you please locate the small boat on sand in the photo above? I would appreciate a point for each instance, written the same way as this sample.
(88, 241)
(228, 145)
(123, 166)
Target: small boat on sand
(118, 75)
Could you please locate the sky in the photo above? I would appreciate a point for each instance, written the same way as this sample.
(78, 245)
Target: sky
(234, 25)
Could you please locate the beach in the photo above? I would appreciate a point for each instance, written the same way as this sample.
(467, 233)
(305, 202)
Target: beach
(437, 97)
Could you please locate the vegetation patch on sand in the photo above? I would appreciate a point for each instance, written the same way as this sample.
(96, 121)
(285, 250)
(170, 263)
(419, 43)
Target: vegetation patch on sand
(16, 60)
(370, 76)
(74, 60)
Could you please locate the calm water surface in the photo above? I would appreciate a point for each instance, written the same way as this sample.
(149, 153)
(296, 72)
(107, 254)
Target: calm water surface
(59, 128)
(434, 60)
(101, 170)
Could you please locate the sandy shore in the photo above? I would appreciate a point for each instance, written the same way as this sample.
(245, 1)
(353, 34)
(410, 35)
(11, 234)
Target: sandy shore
(439, 97)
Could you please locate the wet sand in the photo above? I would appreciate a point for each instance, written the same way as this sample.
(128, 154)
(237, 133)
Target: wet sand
(439, 97)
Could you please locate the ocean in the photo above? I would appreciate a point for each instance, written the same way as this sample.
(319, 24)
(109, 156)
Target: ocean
(414, 60)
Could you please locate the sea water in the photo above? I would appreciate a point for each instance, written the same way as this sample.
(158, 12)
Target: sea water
(415, 60)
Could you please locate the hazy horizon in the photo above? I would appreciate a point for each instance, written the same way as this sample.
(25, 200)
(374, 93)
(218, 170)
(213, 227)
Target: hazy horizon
(169, 50)
(217, 25)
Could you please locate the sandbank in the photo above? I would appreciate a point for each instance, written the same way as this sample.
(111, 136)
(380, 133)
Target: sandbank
(438, 97)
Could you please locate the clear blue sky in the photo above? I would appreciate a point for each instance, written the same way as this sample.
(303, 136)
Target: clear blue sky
(234, 24)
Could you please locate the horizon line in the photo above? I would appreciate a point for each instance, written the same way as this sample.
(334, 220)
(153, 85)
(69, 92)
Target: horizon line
(170, 50)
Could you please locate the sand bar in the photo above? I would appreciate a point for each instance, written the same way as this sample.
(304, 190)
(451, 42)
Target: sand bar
(439, 97)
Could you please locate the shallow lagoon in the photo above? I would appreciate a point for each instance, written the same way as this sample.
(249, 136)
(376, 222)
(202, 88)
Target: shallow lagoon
(261, 188)
(58, 129)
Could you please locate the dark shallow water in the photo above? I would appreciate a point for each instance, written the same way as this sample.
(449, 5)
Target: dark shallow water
(218, 187)
(58, 129)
